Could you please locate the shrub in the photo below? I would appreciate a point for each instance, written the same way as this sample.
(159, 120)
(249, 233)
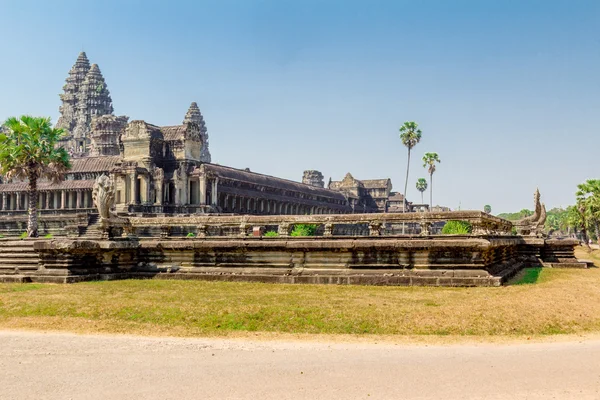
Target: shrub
(271, 234)
(23, 235)
(457, 228)
(190, 235)
(304, 230)
(48, 236)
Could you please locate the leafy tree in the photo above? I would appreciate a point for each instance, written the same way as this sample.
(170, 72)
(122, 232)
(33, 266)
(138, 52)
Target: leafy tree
(410, 135)
(28, 151)
(515, 216)
(421, 186)
(588, 203)
(429, 160)
(487, 209)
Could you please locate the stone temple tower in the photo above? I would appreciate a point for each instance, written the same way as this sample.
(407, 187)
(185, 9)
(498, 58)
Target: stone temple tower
(313, 178)
(85, 96)
(195, 116)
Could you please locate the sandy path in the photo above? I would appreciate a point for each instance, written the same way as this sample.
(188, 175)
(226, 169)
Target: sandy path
(68, 366)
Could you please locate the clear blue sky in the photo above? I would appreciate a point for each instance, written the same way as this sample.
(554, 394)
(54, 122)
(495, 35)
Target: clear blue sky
(507, 92)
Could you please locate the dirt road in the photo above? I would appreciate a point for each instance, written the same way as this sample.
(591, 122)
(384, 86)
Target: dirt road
(67, 366)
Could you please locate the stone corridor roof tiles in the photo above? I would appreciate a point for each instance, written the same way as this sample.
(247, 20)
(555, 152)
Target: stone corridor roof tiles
(173, 132)
(93, 164)
(44, 186)
(375, 183)
(270, 181)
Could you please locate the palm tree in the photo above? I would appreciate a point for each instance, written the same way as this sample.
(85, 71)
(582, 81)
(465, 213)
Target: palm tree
(588, 201)
(28, 151)
(487, 209)
(421, 186)
(429, 160)
(410, 135)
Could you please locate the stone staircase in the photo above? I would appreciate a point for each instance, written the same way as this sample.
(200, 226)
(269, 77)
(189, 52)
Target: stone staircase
(18, 260)
(93, 231)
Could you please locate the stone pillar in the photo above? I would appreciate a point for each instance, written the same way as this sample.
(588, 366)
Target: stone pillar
(48, 199)
(158, 186)
(4, 201)
(78, 199)
(55, 200)
(134, 192)
(202, 190)
(148, 199)
(63, 199)
(214, 192)
(18, 201)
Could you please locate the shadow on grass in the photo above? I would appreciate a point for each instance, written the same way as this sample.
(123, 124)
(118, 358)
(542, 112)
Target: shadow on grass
(527, 276)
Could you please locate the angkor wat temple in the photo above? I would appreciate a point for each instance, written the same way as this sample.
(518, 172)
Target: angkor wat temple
(168, 169)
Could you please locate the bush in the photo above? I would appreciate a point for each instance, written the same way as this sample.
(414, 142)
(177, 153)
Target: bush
(190, 235)
(457, 228)
(23, 235)
(271, 234)
(304, 230)
(48, 236)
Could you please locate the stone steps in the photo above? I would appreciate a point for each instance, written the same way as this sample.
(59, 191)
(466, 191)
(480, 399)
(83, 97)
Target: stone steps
(16, 257)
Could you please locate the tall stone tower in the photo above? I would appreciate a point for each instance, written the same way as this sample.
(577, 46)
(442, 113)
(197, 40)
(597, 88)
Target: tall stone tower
(85, 96)
(313, 178)
(194, 115)
(71, 89)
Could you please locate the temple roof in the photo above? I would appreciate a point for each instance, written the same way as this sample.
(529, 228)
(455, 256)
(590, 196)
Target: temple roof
(376, 183)
(42, 186)
(175, 132)
(270, 181)
(93, 164)
(396, 197)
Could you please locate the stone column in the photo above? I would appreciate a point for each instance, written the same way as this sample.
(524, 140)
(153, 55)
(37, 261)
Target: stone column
(63, 199)
(185, 187)
(202, 190)
(4, 201)
(158, 186)
(48, 198)
(18, 201)
(214, 191)
(55, 200)
(134, 193)
(148, 199)
(79, 199)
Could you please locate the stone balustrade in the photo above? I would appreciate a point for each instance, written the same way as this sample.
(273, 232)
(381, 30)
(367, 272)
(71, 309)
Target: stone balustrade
(375, 224)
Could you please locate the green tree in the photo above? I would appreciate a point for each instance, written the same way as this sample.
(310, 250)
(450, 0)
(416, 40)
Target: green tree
(487, 209)
(421, 186)
(588, 202)
(410, 135)
(429, 162)
(28, 151)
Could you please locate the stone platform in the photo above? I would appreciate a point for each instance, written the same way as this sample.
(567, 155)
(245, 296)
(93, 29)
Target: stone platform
(421, 261)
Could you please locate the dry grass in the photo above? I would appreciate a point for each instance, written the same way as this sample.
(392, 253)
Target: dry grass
(560, 302)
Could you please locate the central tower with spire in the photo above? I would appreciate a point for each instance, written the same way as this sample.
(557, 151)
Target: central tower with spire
(85, 95)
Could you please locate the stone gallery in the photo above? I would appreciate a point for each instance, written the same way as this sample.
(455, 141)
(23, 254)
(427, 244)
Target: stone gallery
(145, 201)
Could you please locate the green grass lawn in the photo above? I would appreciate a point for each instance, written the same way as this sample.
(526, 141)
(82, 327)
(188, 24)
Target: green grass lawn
(560, 301)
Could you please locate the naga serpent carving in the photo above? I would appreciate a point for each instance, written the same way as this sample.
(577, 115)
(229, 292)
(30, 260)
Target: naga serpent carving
(534, 224)
(103, 195)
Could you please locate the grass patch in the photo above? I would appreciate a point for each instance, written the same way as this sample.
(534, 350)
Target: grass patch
(528, 276)
(563, 301)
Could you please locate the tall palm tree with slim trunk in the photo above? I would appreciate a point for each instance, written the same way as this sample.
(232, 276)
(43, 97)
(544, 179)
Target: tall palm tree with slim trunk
(421, 186)
(429, 161)
(28, 151)
(410, 135)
